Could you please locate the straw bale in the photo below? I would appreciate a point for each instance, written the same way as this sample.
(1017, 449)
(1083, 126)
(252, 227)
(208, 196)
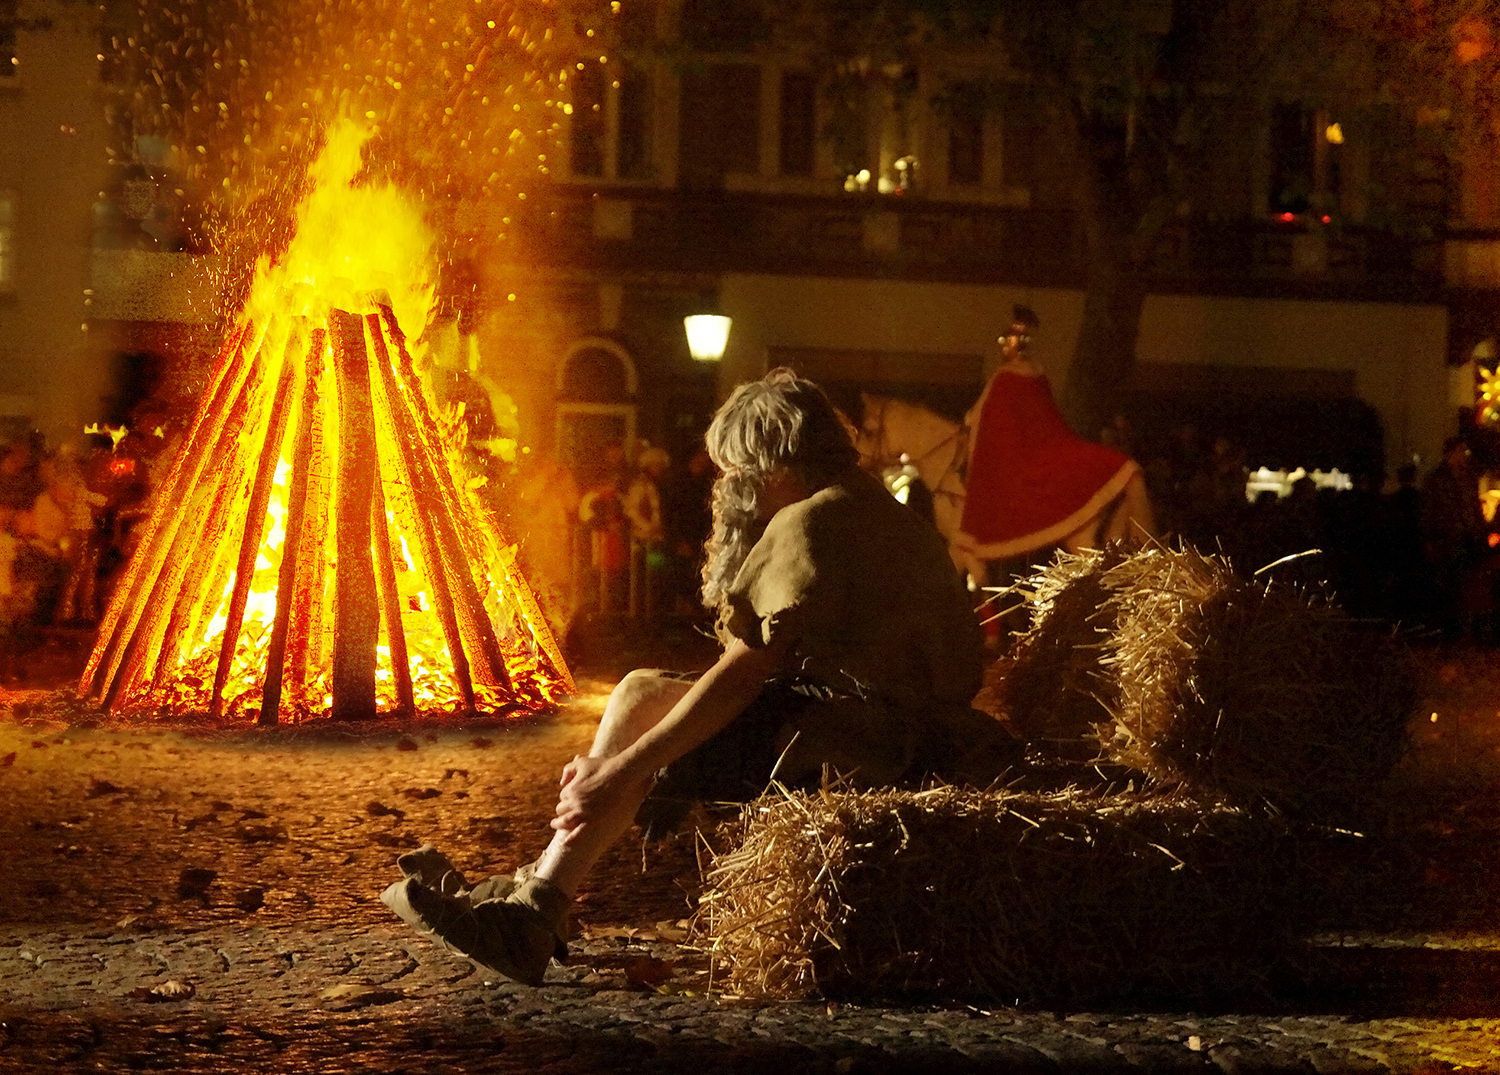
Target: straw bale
(1167, 663)
(1264, 693)
(1054, 689)
(1063, 897)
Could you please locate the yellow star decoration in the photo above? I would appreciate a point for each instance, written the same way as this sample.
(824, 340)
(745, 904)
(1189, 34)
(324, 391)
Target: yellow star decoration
(1489, 394)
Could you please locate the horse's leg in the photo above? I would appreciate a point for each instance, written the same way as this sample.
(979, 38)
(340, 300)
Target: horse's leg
(1138, 520)
(1129, 518)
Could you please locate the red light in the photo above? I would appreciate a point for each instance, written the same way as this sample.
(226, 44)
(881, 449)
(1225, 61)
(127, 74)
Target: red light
(1494, 540)
(1328, 220)
(1288, 217)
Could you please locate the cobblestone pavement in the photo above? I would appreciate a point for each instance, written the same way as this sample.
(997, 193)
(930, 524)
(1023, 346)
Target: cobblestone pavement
(198, 900)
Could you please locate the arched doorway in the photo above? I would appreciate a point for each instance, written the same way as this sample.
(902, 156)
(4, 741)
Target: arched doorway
(597, 382)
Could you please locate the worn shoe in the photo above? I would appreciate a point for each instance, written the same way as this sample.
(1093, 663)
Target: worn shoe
(512, 937)
(500, 885)
(435, 870)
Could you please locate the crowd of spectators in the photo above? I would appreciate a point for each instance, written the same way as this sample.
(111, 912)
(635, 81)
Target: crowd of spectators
(1419, 553)
(645, 520)
(67, 515)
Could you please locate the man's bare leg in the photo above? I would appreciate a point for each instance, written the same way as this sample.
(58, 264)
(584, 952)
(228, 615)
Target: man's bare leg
(637, 704)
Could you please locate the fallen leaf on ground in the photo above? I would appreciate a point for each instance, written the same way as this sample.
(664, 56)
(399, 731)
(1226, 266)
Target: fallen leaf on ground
(675, 932)
(171, 990)
(194, 881)
(648, 971)
(358, 994)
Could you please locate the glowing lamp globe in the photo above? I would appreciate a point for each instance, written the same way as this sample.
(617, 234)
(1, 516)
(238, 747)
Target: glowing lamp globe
(707, 334)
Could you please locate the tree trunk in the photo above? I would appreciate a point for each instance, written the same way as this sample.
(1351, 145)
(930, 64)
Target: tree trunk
(1105, 352)
(1120, 218)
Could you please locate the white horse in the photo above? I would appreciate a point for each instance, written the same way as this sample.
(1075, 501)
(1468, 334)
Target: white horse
(896, 431)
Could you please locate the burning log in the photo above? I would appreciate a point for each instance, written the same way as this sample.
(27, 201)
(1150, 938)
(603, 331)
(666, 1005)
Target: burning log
(287, 588)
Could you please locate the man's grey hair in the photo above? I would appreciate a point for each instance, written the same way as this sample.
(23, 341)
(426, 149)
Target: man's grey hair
(778, 421)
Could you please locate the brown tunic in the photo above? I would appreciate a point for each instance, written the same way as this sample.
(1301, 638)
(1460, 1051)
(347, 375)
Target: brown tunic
(866, 591)
(878, 620)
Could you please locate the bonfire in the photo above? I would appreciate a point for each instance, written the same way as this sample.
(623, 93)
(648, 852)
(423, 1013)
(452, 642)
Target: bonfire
(317, 549)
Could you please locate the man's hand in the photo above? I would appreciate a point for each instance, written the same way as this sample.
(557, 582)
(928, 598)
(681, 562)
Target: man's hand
(602, 793)
(592, 788)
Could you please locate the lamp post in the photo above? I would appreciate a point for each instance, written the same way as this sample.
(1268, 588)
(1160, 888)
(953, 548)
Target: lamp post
(708, 335)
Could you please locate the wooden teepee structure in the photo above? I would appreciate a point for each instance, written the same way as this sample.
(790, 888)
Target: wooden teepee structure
(313, 551)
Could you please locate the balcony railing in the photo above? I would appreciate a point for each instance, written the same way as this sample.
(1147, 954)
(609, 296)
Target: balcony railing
(576, 230)
(858, 235)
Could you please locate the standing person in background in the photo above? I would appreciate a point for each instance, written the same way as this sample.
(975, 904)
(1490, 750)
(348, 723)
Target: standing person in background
(1409, 588)
(602, 513)
(643, 513)
(542, 519)
(687, 510)
(1455, 538)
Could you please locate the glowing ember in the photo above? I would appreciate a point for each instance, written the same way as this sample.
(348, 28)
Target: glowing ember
(315, 549)
(467, 96)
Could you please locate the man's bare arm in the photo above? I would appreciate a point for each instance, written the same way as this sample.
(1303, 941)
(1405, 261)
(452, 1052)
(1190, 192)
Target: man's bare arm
(592, 786)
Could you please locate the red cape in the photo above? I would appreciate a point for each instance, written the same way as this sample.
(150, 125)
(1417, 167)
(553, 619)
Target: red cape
(1031, 480)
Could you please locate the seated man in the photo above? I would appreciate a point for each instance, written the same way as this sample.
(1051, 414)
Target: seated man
(849, 643)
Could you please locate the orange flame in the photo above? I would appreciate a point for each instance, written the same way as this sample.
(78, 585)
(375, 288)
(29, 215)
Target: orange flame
(316, 549)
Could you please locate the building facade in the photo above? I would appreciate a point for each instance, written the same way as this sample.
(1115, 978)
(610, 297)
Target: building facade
(695, 171)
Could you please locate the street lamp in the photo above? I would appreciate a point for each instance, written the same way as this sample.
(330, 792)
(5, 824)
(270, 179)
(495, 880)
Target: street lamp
(707, 334)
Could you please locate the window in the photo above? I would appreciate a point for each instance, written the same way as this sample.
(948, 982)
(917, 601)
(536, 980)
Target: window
(719, 124)
(590, 121)
(966, 137)
(798, 104)
(611, 133)
(1020, 137)
(634, 155)
(1292, 179)
(595, 375)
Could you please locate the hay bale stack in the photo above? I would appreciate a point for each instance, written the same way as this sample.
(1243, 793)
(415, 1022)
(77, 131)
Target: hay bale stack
(1266, 694)
(1168, 663)
(1060, 897)
(1054, 689)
